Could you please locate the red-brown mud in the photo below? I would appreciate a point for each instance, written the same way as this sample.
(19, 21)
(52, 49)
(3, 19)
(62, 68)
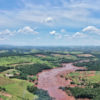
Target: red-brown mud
(50, 80)
(5, 94)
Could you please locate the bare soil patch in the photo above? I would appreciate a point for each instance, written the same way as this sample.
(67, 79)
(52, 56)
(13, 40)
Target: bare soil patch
(39, 55)
(6, 94)
(85, 55)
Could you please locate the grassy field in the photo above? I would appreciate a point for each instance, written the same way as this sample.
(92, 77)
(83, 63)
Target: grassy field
(66, 56)
(95, 78)
(16, 88)
(3, 51)
(10, 61)
(86, 84)
(84, 77)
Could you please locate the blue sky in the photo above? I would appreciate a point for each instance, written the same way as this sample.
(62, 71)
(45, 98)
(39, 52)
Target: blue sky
(50, 22)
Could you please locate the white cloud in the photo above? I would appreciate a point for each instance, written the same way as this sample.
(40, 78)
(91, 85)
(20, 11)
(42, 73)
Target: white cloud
(87, 32)
(53, 32)
(91, 29)
(48, 19)
(27, 29)
(79, 35)
(6, 32)
(62, 15)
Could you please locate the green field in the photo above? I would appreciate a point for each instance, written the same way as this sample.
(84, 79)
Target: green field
(16, 88)
(87, 84)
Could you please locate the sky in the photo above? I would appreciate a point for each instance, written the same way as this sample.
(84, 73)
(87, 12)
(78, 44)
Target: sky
(50, 22)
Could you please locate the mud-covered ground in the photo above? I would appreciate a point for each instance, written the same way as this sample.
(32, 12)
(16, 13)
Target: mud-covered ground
(50, 80)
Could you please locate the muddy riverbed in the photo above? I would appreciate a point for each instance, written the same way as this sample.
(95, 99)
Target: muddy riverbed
(50, 80)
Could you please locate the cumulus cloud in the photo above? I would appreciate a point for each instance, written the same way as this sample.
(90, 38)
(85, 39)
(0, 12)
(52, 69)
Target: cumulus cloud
(83, 34)
(56, 34)
(48, 19)
(91, 29)
(79, 35)
(53, 32)
(27, 29)
(6, 32)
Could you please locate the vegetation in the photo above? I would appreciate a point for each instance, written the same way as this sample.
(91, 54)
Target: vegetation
(87, 84)
(17, 89)
(91, 93)
(13, 60)
(42, 95)
(91, 66)
(4, 68)
(31, 69)
(19, 67)
(2, 89)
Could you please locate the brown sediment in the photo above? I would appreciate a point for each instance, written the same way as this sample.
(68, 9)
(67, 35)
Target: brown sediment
(5, 94)
(40, 55)
(51, 81)
(85, 55)
(92, 73)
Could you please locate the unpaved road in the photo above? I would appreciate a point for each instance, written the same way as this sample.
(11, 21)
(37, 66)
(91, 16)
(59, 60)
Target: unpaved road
(50, 80)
